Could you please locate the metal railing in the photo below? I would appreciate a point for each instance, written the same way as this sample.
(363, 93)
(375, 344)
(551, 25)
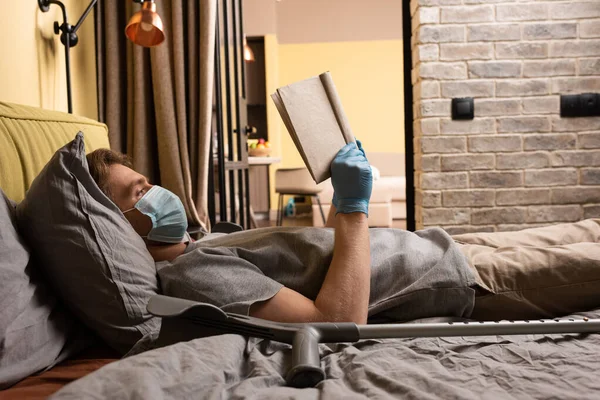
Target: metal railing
(228, 144)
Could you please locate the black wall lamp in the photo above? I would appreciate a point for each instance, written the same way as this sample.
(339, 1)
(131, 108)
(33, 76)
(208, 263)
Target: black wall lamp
(68, 37)
(145, 29)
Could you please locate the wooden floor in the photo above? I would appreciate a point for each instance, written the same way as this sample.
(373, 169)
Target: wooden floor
(307, 221)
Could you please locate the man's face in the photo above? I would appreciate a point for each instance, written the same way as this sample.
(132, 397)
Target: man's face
(127, 187)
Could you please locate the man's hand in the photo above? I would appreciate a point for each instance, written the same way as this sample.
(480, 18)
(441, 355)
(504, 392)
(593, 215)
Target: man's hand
(352, 180)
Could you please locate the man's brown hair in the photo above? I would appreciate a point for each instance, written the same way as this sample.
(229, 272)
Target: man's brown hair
(99, 162)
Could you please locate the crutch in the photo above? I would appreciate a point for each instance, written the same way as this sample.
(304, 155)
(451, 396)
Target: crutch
(184, 320)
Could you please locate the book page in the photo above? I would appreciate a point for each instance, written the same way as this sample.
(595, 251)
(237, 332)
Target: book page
(314, 124)
(288, 124)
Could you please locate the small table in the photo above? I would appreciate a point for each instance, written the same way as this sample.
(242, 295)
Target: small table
(261, 162)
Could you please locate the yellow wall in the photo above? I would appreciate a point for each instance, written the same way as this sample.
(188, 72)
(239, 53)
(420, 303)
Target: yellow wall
(368, 76)
(32, 70)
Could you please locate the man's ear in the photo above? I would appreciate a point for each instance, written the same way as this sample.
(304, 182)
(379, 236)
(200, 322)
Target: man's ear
(141, 223)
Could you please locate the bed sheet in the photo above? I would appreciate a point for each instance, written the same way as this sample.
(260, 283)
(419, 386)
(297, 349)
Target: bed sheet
(230, 366)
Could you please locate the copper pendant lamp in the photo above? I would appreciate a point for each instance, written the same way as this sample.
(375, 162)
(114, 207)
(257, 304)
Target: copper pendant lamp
(145, 28)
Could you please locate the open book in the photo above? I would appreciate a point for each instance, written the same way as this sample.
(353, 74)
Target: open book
(313, 115)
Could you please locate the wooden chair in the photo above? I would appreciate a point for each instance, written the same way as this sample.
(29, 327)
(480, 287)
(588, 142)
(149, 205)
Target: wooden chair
(295, 181)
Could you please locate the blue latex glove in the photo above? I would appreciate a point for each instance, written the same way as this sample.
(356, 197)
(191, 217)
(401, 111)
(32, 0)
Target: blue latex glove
(334, 199)
(359, 144)
(352, 180)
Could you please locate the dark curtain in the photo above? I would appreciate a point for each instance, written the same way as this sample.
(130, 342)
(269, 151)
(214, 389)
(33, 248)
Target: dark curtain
(157, 102)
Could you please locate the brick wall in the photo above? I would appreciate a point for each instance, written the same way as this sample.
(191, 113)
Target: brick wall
(517, 164)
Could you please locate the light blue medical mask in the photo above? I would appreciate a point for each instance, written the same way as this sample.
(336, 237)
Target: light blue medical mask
(169, 221)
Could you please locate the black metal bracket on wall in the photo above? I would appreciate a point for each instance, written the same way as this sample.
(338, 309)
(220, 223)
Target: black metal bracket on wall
(68, 37)
(408, 117)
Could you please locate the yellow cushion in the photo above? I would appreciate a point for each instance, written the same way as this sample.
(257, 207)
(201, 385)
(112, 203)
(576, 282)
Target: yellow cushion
(29, 136)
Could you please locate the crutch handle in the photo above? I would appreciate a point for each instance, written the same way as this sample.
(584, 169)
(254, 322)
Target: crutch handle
(306, 368)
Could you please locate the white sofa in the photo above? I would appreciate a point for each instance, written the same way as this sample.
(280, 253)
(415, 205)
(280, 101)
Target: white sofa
(388, 199)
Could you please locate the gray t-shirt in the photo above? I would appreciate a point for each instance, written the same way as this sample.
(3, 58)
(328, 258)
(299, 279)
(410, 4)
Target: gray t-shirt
(413, 274)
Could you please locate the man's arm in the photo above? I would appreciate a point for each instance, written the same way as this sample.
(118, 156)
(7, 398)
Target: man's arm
(346, 288)
(166, 252)
(331, 216)
(344, 294)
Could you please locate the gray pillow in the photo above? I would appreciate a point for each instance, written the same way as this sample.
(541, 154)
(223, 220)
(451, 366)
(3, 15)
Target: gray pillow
(92, 256)
(34, 328)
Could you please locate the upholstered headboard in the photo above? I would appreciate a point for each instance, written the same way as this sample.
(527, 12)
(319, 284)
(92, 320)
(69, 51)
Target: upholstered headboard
(29, 136)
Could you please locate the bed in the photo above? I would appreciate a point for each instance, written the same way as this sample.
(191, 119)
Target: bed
(44, 384)
(42, 348)
(87, 359)
(229, 366)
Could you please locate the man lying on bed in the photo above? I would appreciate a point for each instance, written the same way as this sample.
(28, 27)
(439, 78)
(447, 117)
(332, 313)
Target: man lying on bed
(351, 272)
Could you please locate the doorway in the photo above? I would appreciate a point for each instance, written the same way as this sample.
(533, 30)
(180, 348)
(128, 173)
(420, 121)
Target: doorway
(361, 44)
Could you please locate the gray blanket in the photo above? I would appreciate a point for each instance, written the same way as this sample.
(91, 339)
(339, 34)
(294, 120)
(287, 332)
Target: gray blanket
(230, 366)
(413, 274)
